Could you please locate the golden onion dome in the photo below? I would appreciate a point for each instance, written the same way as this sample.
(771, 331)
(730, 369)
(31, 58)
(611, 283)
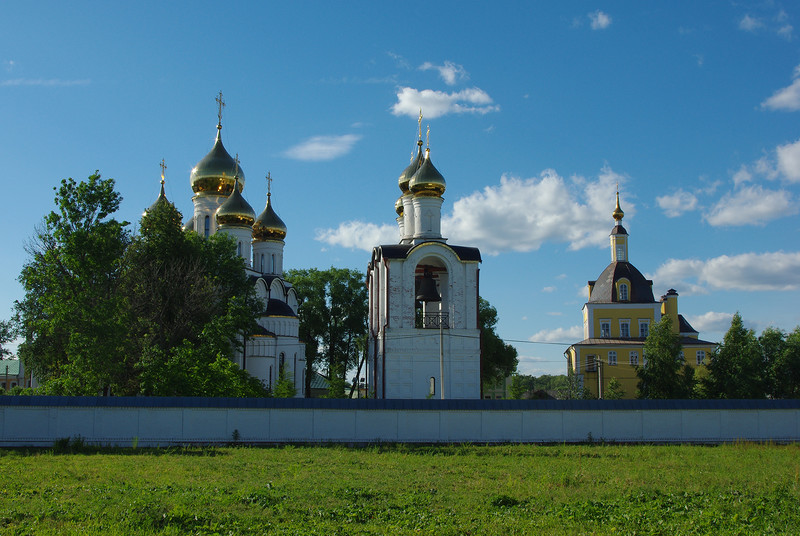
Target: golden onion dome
(618, 214)
(235, 211)
(398, 206)
(162, 199)
(269, 226)
(215, 173)
(427, 181)
(412, 168)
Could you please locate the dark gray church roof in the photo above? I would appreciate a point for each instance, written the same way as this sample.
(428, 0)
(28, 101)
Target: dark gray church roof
(401, 251)
(605, 288)
(685, 326)
(278, 308)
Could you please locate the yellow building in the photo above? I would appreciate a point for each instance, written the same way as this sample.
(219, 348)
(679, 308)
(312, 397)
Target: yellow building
(617, 320)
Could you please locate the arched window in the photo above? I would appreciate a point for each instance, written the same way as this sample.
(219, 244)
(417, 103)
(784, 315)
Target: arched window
(207, 230)
(623, 292)
(273, 270)
(270, 376)
(239, 249)
(263, 267)
(432, 388)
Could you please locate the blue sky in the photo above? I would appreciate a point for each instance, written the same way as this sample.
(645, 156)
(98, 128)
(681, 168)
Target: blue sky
(536, 110)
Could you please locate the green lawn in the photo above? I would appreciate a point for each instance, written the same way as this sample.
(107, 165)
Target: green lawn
(399, 489)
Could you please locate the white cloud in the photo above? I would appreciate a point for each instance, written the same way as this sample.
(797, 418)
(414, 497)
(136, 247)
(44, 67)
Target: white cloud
(600, 20)
(549, 289)
(789, 160)
(450, 72)
(750, 24)
(785, 31)
(521, 214)
(711, 321)
(320, 148)
(788, 98)
(559, 335)
(516, 215)
(676, 204)
(399, 60)
(741, 176)
(751, 205)
(438, 103)
(51, 82)
(777, 271)
(359, 235)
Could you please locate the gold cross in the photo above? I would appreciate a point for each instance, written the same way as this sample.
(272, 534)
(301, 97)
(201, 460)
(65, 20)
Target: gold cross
(269, 183)
(419, 122)
(236, 159)
(163, 167)
(221, 104)
(428, 137)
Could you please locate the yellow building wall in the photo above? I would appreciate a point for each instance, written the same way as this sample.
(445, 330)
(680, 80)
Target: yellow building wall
(614, 315)
(623, 371)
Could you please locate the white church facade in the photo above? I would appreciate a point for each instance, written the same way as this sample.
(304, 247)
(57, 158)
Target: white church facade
(217, 182)
(424, 336)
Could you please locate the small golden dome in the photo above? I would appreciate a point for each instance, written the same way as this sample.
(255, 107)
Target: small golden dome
(412, 168)
(235, 211)
(427, 181)
(215, 173)
(618, 214)
(398, 206)
(162, 197)
(269, 226)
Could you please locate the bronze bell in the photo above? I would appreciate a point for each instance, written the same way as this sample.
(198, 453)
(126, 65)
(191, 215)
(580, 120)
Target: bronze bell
(427, 289)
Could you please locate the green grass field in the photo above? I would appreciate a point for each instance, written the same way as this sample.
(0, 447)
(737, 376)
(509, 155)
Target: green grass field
(400, 489)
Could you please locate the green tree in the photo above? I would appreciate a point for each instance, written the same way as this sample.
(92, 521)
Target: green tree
(499, 360)
(787, 367)
(189, 307)
(284, 388)
(518, 387)
(333, 320)
(665, 375)
(735, 367)
(71, 318)
(614, 391)
(6, 336)
(772, 342)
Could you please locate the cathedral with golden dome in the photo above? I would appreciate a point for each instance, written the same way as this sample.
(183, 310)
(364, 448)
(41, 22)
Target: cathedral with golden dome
(217, 182)
(424, 338)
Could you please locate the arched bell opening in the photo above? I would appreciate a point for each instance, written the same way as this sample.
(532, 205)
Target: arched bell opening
(431, 296)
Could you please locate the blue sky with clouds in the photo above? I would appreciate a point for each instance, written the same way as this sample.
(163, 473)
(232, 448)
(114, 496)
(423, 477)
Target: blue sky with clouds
(536, 113)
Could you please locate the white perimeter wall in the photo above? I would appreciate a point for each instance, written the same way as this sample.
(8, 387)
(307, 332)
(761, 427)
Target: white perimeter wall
(42, 425)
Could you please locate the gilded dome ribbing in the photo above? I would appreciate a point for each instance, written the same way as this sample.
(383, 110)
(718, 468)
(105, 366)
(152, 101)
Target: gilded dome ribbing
(427, 181)
(405, 176)
(618, 214)
(235, 211)
(269, 226)
(215, 173)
